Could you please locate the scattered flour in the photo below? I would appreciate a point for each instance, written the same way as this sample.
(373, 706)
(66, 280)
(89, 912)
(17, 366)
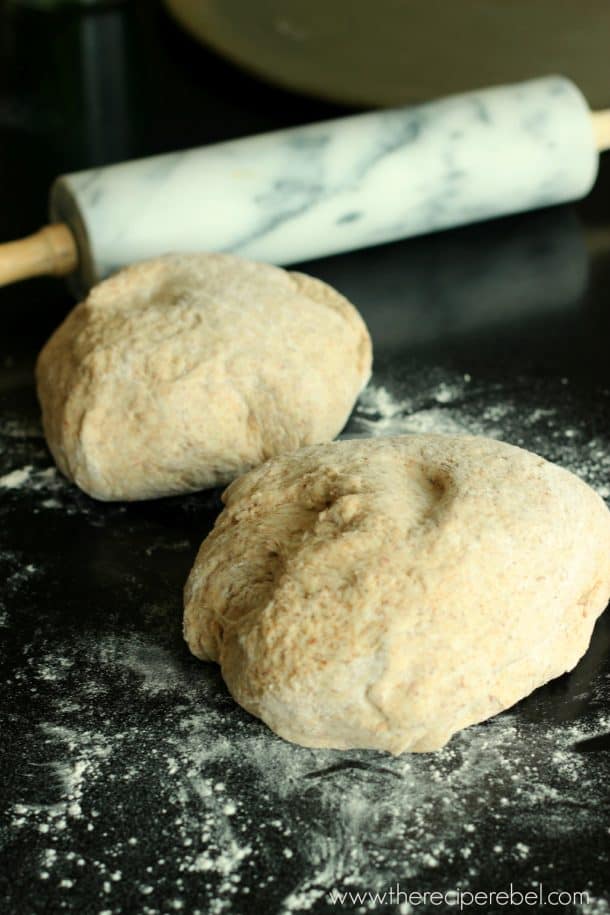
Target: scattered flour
(15, 478)
(594, 907)
(139, 770)
(239, 806)
(153, 664)
(377, 401)
(46, 479)
(19, 428)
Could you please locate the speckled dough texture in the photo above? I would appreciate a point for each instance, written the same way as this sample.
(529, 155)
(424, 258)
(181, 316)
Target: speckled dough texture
(182, 372)
(386, 593)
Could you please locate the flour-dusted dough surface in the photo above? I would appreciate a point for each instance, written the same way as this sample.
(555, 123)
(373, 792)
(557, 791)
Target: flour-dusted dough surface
(182, 372)
(387, 592)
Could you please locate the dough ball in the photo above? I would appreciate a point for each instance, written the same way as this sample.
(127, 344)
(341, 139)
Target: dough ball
(385, 593)
(182, 372)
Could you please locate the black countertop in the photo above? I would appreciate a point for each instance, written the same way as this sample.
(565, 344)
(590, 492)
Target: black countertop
(131, 782)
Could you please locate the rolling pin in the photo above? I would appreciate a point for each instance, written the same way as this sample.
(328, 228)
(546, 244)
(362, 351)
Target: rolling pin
(292, 195)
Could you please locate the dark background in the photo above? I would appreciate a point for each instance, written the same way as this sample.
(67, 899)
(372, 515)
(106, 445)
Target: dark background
(521, 306)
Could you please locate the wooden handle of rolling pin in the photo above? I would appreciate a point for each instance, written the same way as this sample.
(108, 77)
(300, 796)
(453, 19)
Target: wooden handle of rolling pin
(601, 129)
(51, 251)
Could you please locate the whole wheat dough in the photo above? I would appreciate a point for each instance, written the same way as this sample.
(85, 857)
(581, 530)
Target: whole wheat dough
(387, 592)
(182, 372)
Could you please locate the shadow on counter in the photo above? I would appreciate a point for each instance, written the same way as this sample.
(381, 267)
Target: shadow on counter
(483, 282)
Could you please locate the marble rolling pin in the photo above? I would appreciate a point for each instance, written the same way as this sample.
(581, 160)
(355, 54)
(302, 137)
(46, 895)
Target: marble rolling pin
(301, 193)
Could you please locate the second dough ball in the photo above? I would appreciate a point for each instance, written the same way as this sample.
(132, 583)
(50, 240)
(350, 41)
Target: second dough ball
(182, 372)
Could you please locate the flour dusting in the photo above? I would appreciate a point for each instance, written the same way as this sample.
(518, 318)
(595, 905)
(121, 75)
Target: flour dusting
(15, 478)
(237, 798)
(139, 785)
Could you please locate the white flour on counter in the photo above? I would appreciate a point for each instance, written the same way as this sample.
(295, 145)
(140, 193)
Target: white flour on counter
(46, 479)
(15, 478)
(143, 748)
(594, 907)
(239, 801)
(45, 483)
